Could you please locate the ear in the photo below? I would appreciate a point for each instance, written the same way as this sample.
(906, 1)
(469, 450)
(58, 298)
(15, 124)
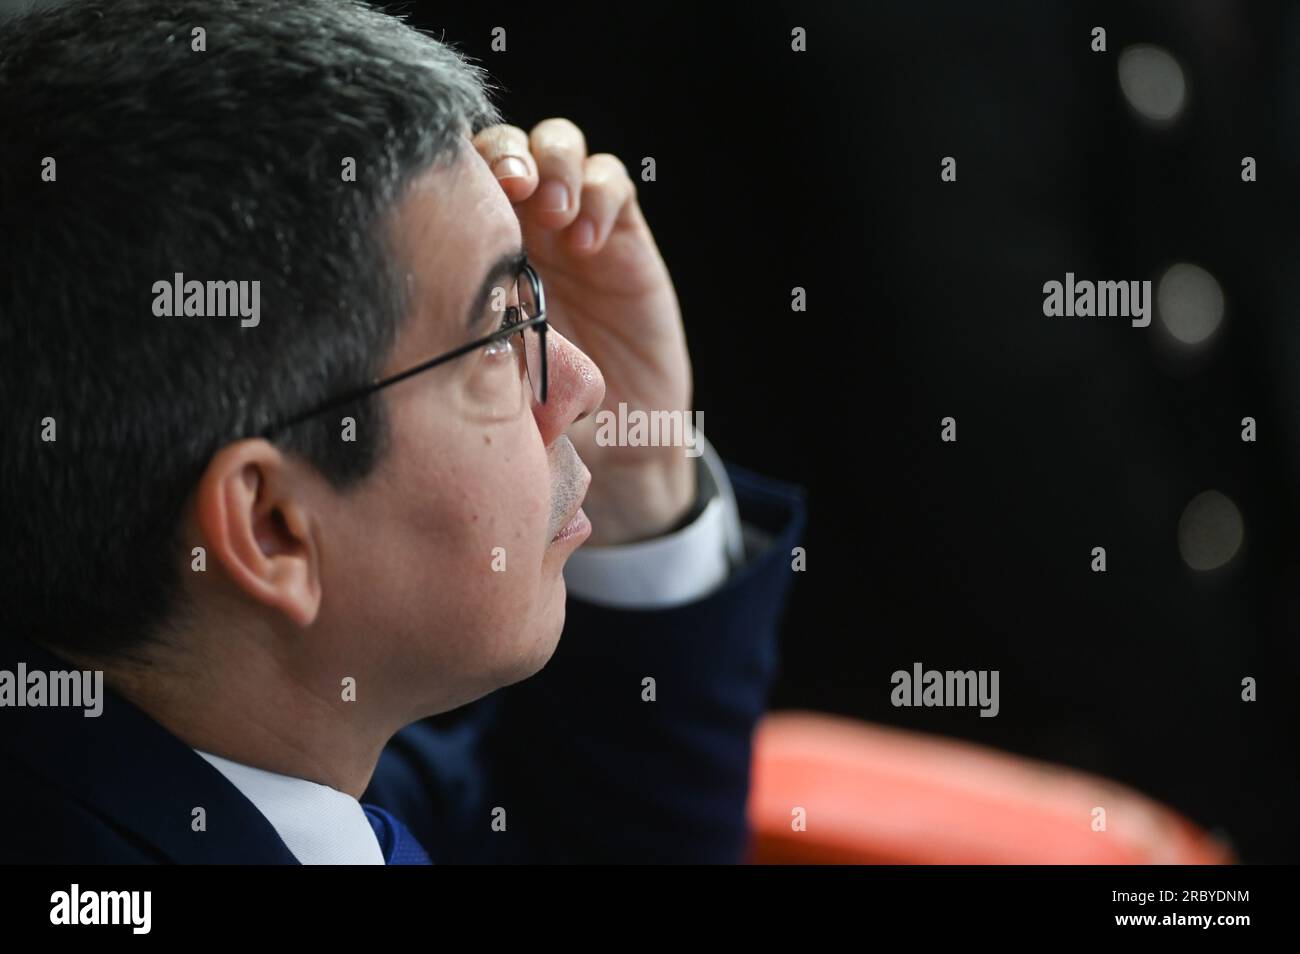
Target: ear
(255, 520)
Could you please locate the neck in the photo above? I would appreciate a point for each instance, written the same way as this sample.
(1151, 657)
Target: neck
(259, 712)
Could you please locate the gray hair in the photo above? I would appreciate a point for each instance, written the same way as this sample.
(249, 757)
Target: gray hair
(221, 164)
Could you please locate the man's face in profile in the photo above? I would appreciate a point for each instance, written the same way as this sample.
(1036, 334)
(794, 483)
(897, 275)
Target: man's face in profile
(440, 566)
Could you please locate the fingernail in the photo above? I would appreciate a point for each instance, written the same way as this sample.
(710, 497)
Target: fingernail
(554, 197)
(510, 168)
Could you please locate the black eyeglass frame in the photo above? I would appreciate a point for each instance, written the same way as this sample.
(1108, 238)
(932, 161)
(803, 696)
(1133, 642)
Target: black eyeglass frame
(513, 327)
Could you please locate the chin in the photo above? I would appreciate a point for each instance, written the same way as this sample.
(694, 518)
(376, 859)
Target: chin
(538, 646)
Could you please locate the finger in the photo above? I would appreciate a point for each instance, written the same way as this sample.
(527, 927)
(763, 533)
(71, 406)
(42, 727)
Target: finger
(560, 150)
(506, 151)
(606, 189)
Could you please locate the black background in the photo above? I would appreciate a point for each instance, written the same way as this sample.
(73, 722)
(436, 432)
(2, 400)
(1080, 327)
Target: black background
(821, 169)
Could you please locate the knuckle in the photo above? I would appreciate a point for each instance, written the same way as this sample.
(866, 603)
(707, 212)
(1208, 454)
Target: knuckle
(506, 137)
(607, 167)
(560, 137)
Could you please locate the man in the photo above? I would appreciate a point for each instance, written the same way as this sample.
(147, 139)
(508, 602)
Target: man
(283, 468)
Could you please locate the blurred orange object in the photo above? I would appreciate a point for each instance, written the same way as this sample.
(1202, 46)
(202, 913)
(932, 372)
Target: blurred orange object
(877, 795)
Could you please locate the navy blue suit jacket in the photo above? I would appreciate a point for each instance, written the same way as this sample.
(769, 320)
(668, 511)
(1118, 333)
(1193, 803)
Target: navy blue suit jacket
(584, 770)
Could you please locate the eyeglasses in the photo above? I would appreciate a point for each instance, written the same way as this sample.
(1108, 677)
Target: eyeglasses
(529, 313)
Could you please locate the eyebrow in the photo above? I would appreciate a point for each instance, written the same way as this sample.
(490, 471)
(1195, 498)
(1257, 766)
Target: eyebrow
(508, 265)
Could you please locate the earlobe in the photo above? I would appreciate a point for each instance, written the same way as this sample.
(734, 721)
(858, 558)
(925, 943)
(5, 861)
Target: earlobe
(258, 529)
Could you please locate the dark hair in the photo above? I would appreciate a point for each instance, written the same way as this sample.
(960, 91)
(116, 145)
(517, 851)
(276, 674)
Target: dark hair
(222, 165)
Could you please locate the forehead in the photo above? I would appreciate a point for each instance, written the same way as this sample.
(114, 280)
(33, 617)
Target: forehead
(451, 225)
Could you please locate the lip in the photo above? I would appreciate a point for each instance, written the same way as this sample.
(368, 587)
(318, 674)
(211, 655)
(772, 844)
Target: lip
(577, 524)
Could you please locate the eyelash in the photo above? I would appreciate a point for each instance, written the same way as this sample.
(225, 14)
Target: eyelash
(502, 345)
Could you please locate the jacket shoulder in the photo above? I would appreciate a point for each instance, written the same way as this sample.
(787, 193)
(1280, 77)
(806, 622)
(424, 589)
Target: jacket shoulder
(44, 825)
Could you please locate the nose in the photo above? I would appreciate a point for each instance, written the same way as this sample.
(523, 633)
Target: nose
(575, 387)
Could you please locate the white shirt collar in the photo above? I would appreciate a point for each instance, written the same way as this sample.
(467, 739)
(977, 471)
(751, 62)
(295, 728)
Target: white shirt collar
(320, 825)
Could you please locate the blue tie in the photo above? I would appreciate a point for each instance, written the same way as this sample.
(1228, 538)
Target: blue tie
(395, 839)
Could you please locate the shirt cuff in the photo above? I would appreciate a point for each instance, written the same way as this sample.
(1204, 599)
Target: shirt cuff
(677, 568)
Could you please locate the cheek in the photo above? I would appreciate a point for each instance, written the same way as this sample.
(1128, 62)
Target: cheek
(488, 521)
(454, 523)
(446, 551)
(482, 497)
